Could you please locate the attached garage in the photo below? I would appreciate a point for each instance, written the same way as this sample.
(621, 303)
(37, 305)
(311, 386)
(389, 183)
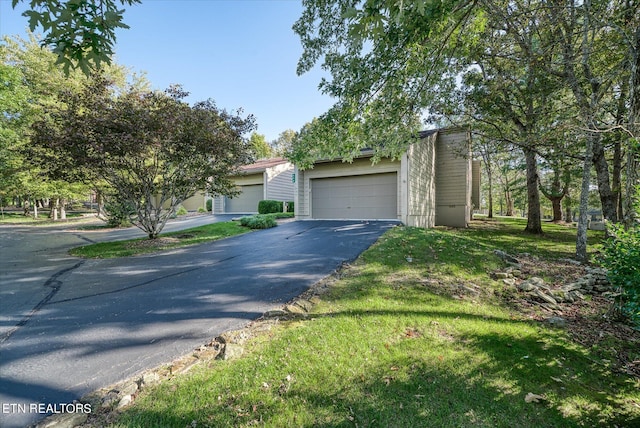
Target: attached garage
(429, 185)
(265, 179)
(247, 201)
(370, 196)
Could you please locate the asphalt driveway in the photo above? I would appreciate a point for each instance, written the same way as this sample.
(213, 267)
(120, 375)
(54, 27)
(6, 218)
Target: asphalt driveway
(100, 321)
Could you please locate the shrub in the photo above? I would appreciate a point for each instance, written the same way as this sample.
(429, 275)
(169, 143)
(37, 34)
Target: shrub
(209, 205)
(118, 213)
(621, 258)
(268, 206)
(182, 211)
(202, 210)
(258, 221)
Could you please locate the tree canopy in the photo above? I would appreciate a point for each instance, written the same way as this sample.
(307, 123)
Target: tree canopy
(152, 148)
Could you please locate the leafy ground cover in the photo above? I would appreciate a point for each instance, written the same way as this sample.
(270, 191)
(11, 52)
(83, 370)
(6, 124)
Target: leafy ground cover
(166, 241)
(397, 339)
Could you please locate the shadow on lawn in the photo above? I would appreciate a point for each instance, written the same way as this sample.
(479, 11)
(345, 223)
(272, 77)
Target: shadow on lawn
(415, 387)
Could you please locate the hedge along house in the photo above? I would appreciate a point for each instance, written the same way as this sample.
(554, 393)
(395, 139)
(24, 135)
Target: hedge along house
(264, 179)
(430, 185)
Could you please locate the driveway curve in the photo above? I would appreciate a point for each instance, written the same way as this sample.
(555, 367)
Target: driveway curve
(95, 322)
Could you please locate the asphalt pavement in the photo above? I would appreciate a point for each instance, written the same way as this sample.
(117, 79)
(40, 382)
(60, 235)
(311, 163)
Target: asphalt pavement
(69, 326)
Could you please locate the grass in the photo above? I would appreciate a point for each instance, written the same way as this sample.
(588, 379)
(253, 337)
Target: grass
(391, 346)
(12, 217)
(166, 241)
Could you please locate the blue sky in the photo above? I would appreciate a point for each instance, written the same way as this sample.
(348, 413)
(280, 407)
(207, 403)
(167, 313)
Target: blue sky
(241, 53)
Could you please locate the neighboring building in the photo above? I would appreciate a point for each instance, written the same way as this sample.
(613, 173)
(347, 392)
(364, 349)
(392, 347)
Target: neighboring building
(197, 201)
(264, 179)
(431, 185)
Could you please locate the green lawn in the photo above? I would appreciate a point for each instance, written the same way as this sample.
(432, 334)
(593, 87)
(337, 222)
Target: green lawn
(393, 344)
(13, 217)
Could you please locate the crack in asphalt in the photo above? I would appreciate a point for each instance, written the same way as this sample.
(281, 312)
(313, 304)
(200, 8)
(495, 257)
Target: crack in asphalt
(72, 299)
(55, 285)
(84, 238)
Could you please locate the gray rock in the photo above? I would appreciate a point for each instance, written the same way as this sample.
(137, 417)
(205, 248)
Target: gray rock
(150, 378)
(545, 297)
(129, 388)
(501, 275)
(231, 352)
(110, 399)
(571, 261)
(64, 420)
(527, 286)
(577, 295)
(509, 281)
(506, 257)
(571, 287)
(125, 401)
(557, 321)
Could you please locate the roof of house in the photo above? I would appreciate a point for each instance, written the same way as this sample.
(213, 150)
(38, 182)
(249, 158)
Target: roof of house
(262, 165)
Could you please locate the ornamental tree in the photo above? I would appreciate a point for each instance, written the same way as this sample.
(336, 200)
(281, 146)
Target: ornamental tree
(152, 148)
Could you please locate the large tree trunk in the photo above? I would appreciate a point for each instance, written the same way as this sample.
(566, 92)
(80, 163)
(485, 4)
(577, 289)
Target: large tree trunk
(581, 239)
(607, 198)
(509, 202)
(633, 148)
(534, 217)
(616, 186)
(568, 215)
(490, 180)
(556, 204)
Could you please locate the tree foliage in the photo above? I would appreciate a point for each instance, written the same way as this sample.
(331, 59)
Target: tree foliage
(261, 149)
(80, 32)
(152, 148)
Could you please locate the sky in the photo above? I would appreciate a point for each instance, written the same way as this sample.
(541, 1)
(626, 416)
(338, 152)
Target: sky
(240, 53)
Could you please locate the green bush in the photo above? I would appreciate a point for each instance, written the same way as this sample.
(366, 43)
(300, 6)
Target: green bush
(182, 211)
(258, 221)
(209, 205)
(118, 213)
(621, 258)
(202, 210)
(268, 206)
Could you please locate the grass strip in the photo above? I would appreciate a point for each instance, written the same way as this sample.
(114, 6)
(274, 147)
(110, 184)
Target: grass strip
(166, 241)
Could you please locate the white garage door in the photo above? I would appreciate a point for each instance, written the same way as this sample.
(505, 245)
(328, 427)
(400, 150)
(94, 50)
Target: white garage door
(247, 201)
(371, 196)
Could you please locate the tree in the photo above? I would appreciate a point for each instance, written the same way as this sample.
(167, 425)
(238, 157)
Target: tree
(386, 59)
(81, 32)
(152, 148)
(259, 145)
(34, 171)
(284, 143)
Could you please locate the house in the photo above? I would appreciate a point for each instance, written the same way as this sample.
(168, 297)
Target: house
(431, 184)
(264, 179)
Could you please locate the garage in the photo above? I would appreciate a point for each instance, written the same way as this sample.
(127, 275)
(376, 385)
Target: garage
(247, 201)
(369, 196)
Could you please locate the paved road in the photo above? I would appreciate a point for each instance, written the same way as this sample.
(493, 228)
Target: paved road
(91, 323)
